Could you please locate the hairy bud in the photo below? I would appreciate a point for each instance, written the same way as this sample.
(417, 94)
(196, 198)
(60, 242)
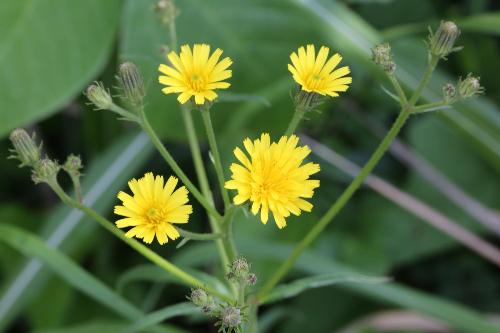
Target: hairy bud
(469, 87)
(230, 317)
(442, 42)
(251, 279)
(25, 148)
(73, 165)
(45, 171)
(131, 83)
(99, 96)
(381, 55)
(449, 92)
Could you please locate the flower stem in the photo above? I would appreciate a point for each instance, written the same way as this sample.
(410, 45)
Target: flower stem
(142, 249)
(425, 79)
(207, 121)
(199, 236)
(429, 106)
(294, 122)
(399, 90)
(203, 180)
(338, 205)
(175, 167)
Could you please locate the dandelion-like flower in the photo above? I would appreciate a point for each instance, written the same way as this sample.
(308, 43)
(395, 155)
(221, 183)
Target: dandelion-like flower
(273, 177)
(153, 208)
(195, 73)
(316, 74)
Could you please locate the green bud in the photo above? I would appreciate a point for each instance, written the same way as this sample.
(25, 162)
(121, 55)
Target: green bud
(381, 55)
(131, 83)
(99, 96)
(251, 279)
(73, 165)
(45, 171)
(449, 92)
(199, 297)
(230, 317)
(239, 270)
(307, 101)
(441, 43)
(166, 11)
(469, 87)
(25, 148)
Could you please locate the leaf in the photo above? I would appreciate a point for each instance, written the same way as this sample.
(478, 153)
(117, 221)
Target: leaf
(53, 48)
(229, 97)
(161, 315)
(296, 287)
(68, 228)
(32, 246)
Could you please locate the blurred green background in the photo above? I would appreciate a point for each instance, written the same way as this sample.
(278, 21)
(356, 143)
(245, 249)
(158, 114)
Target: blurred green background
(51, 50)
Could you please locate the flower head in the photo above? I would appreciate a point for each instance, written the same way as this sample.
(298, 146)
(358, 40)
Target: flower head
(195, 73)
(273, 178)
(153, 208)
(316, 74)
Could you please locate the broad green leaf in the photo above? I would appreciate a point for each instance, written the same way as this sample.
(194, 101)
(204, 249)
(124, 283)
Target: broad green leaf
(458, 316)
(69, 229)
(53, 48)
(161, 315)
(296, 287)
(90, 327)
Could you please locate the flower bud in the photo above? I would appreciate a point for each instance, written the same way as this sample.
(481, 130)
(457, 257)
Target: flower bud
(166, 11)
(441, 43)
(131, 83)
(449, 92)
(230, 317)
(381, 55)
(469, 87)
(45, 171)
(73, 165)
(239, 270)
(25, 148)
(199, 297)
(251, 279)
(99, 96)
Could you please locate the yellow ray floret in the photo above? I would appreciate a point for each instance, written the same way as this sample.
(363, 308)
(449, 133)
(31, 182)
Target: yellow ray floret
(153, 208)
(195, 73)
(317, 73)
(273, 178)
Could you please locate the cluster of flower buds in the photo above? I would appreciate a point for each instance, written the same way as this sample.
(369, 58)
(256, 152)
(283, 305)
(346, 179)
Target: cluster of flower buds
(442, 42)
(44, 170)
(239, 272)
(229, 317)
(467, 88)
(382, 56)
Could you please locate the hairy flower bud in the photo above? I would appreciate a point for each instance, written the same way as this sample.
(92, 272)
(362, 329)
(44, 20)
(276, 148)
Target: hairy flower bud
(381, 55)
(73, 165)
(45, 171)
(230, 317)
(25, 148)
(99, 96)
(251, 279)
(469, 87)
(449, 92)
(166, 11)
(131, 83)
(441, 43)
(239, 270)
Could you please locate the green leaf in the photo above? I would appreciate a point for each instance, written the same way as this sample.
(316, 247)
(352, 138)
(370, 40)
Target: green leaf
(296, 287)
(161, 315)
(69, 229)
(53, 48)
(32, 246)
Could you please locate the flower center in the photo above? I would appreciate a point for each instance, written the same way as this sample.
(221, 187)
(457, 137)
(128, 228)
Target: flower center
(197, 82)
(154, 215)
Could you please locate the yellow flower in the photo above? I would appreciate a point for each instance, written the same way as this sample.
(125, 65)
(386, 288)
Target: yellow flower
(195, 73)
(316, 74)
(153, 208)
(273, 177)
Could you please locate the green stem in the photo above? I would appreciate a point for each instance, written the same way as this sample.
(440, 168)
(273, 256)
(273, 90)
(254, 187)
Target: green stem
(338, 205)
(228, 240)
(207, 121)
(426, 107)
(294, 122)
(142, 249)
(241, 293)
(425, 79)
(175, 167)
(399, 90)
(203, 180)
(199, 236)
